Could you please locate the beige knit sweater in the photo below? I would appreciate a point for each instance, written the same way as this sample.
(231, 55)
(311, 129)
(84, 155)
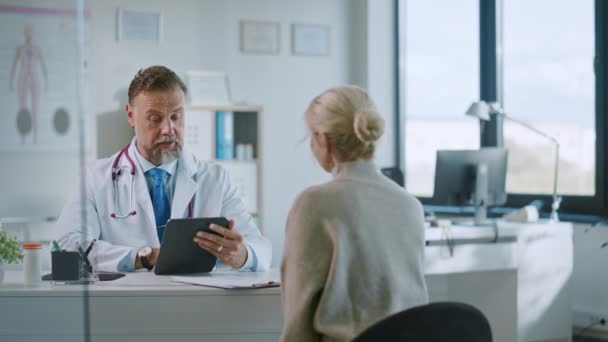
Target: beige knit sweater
(353, 255)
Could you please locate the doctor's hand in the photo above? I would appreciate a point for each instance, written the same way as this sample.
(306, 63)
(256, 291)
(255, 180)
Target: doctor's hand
(228, 247)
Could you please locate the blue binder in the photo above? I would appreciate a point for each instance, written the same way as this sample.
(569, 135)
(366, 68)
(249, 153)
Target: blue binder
(224, 135)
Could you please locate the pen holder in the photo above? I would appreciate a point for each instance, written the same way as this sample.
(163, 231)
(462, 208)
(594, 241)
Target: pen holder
(66, 265)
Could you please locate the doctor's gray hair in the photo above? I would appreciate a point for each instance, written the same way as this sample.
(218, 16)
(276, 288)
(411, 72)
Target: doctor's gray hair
(349, 118)
(153, 78)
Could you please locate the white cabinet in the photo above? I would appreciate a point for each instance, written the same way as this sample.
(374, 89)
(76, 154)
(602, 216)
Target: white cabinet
(230, 135)
(479, 273)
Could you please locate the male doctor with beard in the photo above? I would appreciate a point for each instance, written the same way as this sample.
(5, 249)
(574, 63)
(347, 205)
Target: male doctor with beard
(131, 195)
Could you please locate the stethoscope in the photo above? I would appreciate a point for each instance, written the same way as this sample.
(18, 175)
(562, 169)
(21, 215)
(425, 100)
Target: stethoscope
(117, 171)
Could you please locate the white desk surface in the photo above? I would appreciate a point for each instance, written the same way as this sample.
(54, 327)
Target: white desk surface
(505, 229)
(470, 232)
(466, 257)
(139, 283)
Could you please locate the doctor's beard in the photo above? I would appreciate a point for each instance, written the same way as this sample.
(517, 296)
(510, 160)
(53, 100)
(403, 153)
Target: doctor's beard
(160, 155)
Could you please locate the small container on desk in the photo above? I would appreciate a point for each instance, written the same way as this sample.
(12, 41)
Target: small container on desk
(32, 264)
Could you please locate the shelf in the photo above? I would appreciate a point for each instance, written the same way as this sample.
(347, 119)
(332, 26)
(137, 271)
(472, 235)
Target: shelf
(223, 131)
(236, 161)
(225, 107)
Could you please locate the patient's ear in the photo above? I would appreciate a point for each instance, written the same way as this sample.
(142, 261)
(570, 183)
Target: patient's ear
(326, 143)
(323, 142)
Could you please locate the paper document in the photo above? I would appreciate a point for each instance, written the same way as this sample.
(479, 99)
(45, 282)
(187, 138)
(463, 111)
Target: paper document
(232, 279)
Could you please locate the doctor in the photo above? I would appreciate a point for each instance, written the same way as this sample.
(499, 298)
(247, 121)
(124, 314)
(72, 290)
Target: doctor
(131, 195)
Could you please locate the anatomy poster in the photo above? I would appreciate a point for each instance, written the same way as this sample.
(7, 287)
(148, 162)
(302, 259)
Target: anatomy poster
(39, 75)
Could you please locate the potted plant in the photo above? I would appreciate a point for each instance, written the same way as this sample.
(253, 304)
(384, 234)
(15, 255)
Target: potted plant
(9, 252)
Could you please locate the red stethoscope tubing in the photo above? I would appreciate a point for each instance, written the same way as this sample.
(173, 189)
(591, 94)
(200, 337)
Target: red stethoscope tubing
(116, 172)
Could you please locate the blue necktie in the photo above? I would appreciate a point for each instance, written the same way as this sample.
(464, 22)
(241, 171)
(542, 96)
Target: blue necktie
(160, 203)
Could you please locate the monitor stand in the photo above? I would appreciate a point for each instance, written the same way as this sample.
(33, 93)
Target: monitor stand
(480, 198)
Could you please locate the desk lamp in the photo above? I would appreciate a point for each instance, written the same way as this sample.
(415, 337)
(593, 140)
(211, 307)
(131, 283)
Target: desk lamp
(482, 111)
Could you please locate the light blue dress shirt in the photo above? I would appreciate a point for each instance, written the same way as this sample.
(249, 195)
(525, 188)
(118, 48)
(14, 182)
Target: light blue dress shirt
(128, 262)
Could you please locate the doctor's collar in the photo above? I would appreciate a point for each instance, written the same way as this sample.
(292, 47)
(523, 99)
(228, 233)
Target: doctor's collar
(145, 165)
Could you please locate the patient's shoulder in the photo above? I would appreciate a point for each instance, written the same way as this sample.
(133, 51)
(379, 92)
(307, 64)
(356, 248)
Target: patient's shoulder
(310, 196)
(313, 199)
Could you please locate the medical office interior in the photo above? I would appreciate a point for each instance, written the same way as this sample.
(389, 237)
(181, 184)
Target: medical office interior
(529, 77)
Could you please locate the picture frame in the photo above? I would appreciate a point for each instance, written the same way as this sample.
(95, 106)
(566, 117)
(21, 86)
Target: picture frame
(139, 25)
(208, 87)
(260, 37)
(310, 39)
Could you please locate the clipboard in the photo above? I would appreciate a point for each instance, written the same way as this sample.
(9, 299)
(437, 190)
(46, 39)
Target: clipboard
(233, 280)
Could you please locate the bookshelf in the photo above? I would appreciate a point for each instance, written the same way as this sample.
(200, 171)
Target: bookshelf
(230, 135)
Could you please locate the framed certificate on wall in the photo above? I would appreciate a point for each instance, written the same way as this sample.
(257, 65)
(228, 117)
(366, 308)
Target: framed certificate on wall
(310, 40)
(139, 25)
(260, 37)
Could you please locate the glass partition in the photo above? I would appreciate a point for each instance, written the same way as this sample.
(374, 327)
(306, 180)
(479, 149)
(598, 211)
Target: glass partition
(45, 140)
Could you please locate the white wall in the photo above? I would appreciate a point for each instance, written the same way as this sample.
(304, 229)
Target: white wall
(193, 38)
(285, 84)
(372, 61)
(381, 71)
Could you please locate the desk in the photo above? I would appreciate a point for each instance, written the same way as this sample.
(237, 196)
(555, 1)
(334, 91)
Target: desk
(539, 262)
(144, 307)
(138, 307)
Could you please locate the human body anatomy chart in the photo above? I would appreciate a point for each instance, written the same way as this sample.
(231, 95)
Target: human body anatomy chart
(39, 67)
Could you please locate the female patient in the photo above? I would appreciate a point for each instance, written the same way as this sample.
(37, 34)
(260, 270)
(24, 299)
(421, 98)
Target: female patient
(354, 246)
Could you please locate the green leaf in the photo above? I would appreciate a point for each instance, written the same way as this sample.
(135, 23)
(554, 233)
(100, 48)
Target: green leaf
(9, 249)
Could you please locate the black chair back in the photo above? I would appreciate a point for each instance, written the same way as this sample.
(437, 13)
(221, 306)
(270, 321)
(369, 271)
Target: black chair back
(435, 322)
(393, 173)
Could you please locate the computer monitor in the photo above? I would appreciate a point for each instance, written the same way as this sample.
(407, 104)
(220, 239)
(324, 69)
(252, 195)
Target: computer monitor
(471, 177)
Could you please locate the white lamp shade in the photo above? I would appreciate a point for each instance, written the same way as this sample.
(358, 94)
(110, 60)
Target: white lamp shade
(480, 110)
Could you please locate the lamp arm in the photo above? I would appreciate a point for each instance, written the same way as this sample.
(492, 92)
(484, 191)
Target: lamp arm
(543, 134)
(532, 128)
(555, 171)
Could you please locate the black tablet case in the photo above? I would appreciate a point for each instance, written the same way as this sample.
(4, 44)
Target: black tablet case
(179, 254)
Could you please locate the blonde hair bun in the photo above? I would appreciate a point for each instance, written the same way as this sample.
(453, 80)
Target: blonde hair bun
(349, 118)
(368, 125)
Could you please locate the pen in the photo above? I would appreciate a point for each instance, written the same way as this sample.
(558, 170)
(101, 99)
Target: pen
(90, 247)
(56, 245)
(84, 256)
(268, 284)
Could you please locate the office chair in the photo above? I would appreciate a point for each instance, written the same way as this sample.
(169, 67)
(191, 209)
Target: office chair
(393, 173)
(436, 322)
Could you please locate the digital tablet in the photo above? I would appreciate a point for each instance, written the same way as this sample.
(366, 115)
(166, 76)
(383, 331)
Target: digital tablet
(179, 254)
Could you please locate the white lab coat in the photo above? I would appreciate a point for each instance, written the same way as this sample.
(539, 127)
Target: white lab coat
(208, 182)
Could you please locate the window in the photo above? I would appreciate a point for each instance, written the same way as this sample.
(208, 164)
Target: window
(543, 65)
(439, 77)
(549, 82)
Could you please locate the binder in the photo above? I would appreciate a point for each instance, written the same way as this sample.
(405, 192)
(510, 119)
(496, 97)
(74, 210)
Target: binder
(224, 135)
